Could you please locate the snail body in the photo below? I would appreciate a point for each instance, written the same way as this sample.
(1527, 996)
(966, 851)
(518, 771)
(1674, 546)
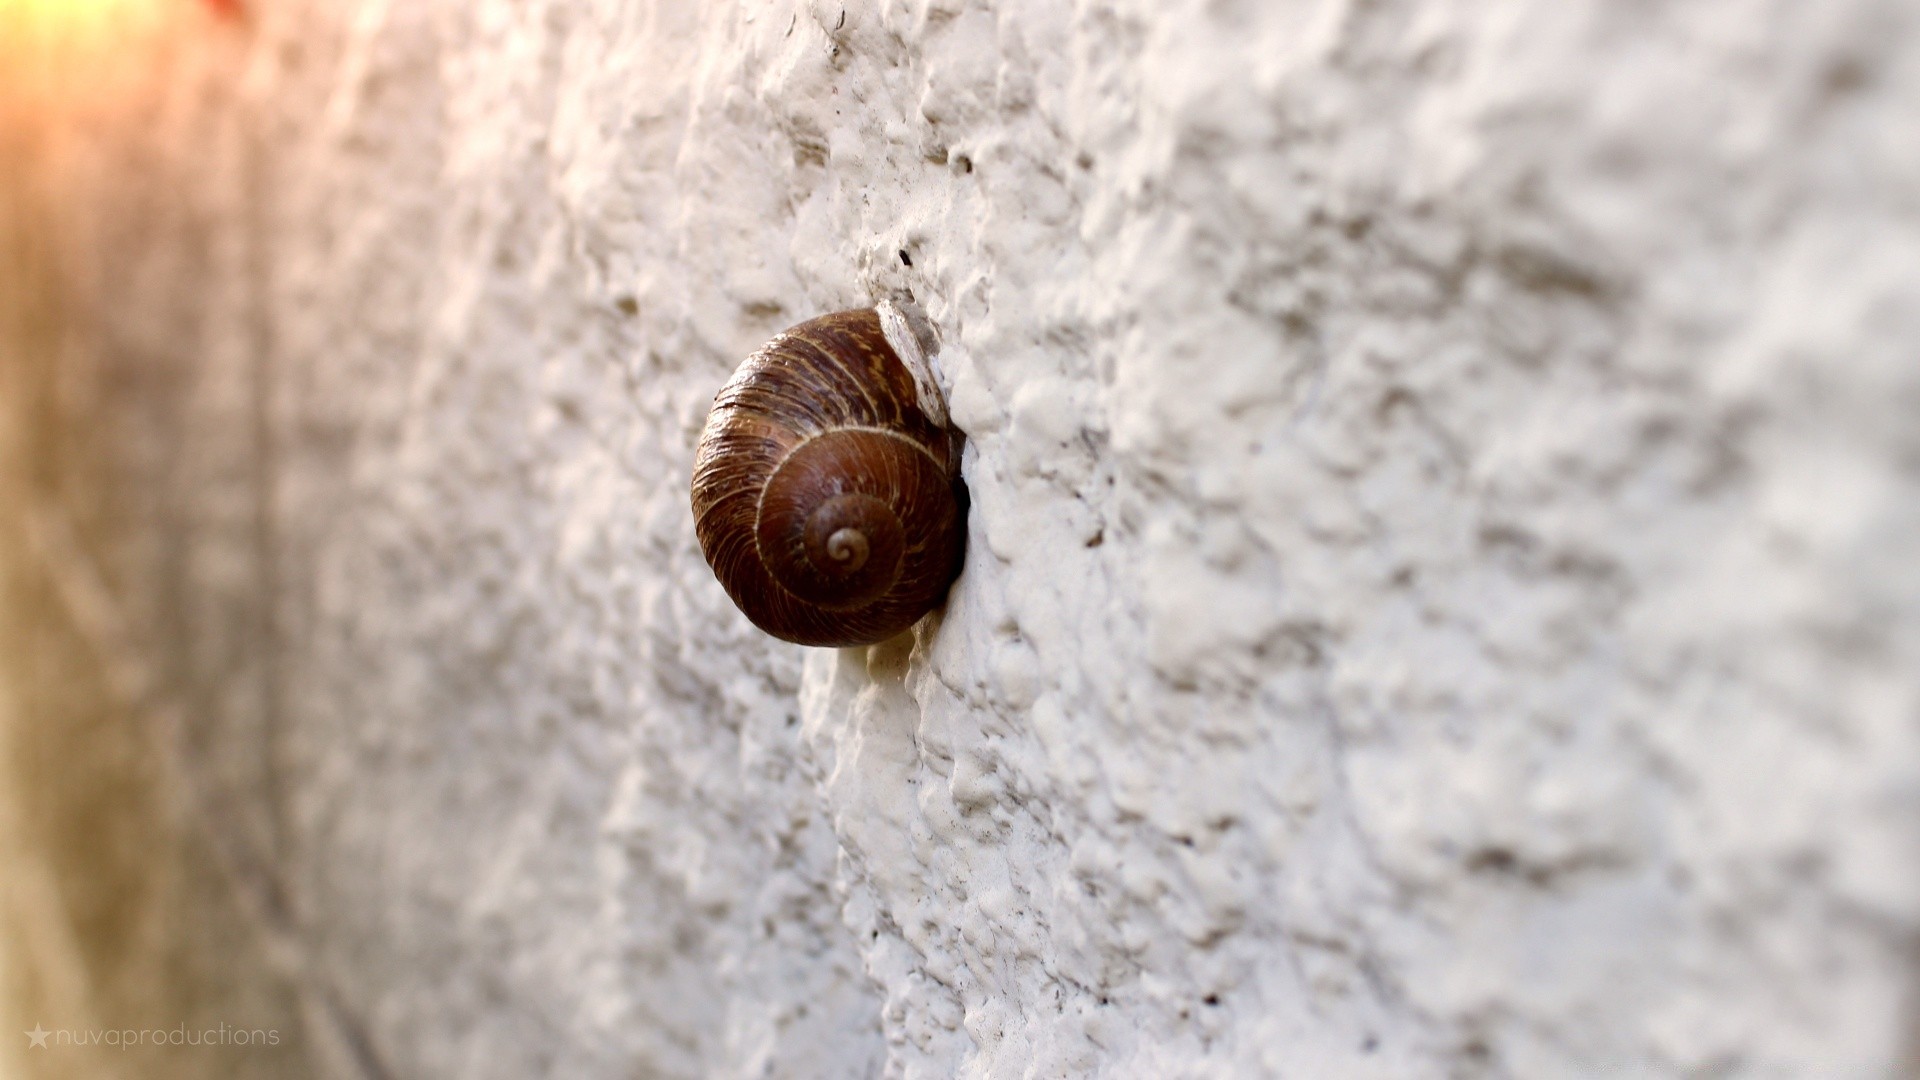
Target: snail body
(826, 487)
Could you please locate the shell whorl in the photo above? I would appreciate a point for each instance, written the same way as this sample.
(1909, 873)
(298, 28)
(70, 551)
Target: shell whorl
(827, 500)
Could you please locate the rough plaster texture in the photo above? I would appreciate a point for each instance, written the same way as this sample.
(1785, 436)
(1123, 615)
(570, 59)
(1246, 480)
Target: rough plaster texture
(1441, 600)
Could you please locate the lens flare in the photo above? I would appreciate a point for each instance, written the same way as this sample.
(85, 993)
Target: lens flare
(72, 56)
(75, 20)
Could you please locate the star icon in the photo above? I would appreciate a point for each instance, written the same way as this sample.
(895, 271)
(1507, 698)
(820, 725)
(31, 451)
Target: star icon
(37, 1037)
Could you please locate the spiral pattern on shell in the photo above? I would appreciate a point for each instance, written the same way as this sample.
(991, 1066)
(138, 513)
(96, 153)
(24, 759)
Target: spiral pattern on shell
(826, 499)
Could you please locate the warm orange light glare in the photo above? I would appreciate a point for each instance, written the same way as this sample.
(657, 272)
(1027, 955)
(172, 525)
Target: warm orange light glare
(75, 18)
(77, 54)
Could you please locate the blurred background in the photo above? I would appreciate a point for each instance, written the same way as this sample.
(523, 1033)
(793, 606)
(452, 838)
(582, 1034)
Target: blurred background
(118, 922)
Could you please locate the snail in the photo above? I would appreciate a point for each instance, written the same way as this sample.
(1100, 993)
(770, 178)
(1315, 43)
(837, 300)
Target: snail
(826, 487)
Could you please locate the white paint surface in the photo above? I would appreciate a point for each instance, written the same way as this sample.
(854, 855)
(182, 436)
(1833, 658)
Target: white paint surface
(1442, 596)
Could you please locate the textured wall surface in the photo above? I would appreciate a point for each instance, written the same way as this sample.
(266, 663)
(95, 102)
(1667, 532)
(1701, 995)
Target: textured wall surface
(1442, 594)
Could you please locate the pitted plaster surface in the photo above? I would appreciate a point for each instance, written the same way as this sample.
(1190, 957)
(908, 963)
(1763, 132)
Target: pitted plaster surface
(1441, 596)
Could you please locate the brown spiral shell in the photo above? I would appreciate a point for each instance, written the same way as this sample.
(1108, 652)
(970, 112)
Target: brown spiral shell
(826, 488)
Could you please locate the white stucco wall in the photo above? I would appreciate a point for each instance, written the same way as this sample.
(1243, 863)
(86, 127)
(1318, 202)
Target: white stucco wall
(1441, 599)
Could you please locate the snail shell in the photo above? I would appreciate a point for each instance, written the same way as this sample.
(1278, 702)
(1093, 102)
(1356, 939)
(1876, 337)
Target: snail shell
(826, 489)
